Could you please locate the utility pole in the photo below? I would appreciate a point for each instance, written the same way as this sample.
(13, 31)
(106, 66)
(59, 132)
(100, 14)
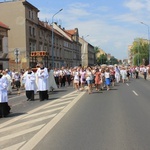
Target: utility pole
(17, 53)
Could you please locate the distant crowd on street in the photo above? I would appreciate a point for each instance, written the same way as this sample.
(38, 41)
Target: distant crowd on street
(43, 80)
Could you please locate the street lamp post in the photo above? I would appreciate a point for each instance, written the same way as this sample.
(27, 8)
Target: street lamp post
(53, 37)
(148, 41)
(84, 51)
(138, 44)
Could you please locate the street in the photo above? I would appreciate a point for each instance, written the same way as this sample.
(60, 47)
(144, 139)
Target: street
(118, 119)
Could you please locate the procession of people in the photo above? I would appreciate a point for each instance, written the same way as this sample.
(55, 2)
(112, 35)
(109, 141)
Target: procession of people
(82, 78)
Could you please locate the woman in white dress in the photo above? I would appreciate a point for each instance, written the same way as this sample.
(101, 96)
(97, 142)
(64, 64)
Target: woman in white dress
(76, 79)
(123, 73)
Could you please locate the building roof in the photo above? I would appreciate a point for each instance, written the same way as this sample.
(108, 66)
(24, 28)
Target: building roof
(70, 33)
(49, 27)
(2, 25)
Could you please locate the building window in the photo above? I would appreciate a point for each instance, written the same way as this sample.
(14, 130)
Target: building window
(40, 33)
(32, 46)
(1, 45)
(1, 66)
(30, 30)
(41, 47)
(45, 48)
(31, 14)
(34, 31)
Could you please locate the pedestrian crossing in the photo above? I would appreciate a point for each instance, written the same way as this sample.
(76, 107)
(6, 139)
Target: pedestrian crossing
(16, 132)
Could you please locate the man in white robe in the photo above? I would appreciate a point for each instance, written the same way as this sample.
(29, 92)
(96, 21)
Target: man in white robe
(43, 76)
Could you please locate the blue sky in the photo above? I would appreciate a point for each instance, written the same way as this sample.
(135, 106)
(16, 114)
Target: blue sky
(111, 25)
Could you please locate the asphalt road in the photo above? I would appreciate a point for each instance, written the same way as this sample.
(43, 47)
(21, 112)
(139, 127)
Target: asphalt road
(118, 119)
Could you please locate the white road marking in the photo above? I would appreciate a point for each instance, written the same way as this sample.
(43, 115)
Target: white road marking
(54, 105)
(21, 95)
(16, 146)
(127, 84)
(26, 123)
(43, 112)
(10, 136)
(32, 111)
(41, 134)
(135, 93)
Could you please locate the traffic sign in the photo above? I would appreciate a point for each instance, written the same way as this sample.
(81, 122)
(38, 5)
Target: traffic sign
(17, 60)
(16, 51)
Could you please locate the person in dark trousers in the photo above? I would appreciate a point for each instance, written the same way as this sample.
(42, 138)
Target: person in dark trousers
(137, 72)
(29, 80)
(62, 77)
(42, 75)
(145, 72)
(4, 107)
(68, 76)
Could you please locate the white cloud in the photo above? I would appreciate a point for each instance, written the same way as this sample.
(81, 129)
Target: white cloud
(135, 5)
(103, 29)
(128, 17)
(138, 5)
(103, 8)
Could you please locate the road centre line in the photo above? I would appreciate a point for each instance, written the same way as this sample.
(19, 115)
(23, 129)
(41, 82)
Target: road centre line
(33, 111)
(135, 93)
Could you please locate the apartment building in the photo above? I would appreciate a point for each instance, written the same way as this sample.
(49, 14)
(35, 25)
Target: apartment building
(33, 38)
(4, 46)
(71, 46)
(87, 53)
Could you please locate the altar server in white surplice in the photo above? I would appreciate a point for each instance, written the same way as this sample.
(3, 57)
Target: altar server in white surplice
(43, 77)
(4, 107)
(29, 81)
(5, 74)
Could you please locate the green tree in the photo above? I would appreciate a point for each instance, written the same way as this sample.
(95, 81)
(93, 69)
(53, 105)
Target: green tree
(113, 61)
(102, 59)
(96, 49)
(140, 51)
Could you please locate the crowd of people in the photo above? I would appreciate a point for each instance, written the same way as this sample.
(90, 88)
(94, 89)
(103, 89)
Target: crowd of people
(43, 80)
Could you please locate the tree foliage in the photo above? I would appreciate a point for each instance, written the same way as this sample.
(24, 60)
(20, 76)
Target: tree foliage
(96, 49)
(102, 59)
(140, 51)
